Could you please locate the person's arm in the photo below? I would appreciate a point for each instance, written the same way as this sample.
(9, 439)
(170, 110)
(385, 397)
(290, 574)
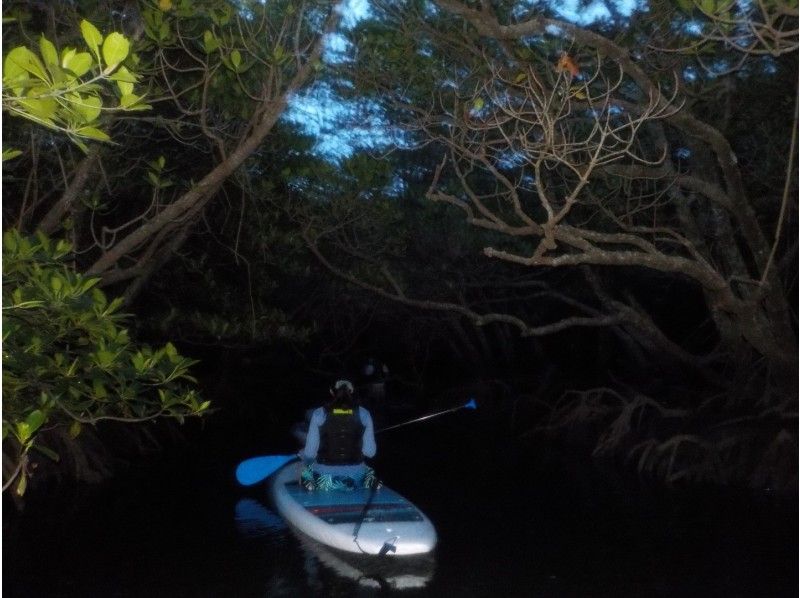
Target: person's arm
(312, 438)
(368, 447)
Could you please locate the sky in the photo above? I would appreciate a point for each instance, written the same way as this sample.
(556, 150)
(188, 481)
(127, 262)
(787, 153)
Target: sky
(321, 113)
(570, 10)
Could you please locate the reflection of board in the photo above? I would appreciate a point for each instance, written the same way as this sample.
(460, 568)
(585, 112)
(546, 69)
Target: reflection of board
(397, 574)
(390, 524)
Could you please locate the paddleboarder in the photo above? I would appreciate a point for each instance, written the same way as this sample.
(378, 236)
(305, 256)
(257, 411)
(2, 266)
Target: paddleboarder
(340, 436)
(372, 385)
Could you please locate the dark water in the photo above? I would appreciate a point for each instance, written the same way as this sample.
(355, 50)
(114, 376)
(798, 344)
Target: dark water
(510, 523)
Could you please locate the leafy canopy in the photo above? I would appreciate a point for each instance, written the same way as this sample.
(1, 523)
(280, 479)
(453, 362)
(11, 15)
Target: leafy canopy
(69, 91)
(68, 359)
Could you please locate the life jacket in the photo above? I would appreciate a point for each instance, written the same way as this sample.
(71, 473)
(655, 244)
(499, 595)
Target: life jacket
(340, 437)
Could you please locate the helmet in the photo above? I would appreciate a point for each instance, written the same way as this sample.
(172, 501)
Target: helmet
(343, 384)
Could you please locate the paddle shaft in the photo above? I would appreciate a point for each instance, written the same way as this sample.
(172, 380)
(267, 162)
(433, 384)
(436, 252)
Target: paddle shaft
(419, 419)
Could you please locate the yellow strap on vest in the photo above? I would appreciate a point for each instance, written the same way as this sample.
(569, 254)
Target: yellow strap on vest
(343, 412)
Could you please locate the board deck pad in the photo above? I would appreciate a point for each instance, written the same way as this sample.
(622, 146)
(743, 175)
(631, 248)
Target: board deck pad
(339, 506)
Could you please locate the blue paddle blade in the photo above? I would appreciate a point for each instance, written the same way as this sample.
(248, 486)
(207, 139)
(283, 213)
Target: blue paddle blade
(471, 405)
(252, 471)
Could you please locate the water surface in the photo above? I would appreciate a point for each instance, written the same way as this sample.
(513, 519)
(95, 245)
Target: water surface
(510, 523)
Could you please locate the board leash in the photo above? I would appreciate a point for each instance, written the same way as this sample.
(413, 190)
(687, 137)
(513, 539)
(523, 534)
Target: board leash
(363, 515)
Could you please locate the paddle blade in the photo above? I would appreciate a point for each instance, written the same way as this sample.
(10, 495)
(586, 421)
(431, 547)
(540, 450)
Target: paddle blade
(471, 405)
(252, 471)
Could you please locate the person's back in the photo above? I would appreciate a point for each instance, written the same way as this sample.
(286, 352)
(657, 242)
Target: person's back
(340, 436)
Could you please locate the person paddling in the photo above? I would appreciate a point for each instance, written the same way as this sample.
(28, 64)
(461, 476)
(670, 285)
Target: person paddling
(340, 436)
(372, 386)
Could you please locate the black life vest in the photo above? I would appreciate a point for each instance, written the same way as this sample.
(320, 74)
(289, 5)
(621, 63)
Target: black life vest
(340, 437)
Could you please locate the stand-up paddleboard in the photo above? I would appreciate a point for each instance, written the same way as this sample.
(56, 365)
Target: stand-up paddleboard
(361, 520)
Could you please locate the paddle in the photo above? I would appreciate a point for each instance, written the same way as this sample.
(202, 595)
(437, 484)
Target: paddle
(252, 471)
(471, 404)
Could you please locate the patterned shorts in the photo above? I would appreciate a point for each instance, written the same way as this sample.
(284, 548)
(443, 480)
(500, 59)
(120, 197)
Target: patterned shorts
(313, 480)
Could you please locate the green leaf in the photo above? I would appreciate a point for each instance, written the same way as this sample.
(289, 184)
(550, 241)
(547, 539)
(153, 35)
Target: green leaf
(125, 80)
(48, 51)
(43, 109)
(171, 352)
(12, 67)
(22, 485)
(67, 54)
(10, 153)
(140, 106)
(210, 42)
(89, 282)
(163, 31)
(115, 304)
(686, 6)
(129, 100)
(123, 74)
(104, 358)
(77, 141)
(78, 64)
(92, 36)
(23, 431)
(89, 107)
(93, 133)
(478, 104)
(99, 298)
(19, 84)
(34, 420)
(10, 240)
(98, 389)
(115, 50)
(74, 429)
(138, 361)
(236, 58)
(21, 59)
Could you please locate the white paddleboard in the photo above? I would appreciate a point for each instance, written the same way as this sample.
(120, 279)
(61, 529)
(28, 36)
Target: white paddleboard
(359, 520)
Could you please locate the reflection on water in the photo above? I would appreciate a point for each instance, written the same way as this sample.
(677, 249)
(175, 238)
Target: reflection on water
(255, 520)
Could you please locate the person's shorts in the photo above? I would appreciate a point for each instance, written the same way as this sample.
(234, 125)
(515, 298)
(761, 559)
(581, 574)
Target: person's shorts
(313, 480)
